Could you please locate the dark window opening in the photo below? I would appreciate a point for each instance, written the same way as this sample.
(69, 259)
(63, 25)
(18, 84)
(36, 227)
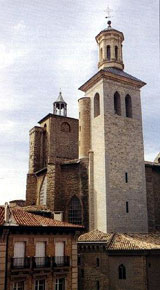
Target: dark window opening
(96, 105)
(108, 52)
(82, 273)
(126, 177)
(117, 104)
(97, 262)
(127, 207)
(97, 285)
(75, 211)
(101, 54)
(122, 272)
(79, 260)
(116, 52)
(128, 104)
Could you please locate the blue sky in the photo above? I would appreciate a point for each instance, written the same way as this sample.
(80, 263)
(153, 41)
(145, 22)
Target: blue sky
(46, 45)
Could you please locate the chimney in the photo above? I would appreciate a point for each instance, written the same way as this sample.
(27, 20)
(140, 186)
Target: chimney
(6, 213)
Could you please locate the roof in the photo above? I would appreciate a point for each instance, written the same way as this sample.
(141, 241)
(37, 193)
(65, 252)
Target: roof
(95, 236)
(109, 29)
(118, 241)
(19, 217)
(121, 73)
(112, 74)
(60, 99)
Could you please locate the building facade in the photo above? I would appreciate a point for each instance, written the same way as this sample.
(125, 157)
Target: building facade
(37, 253)
(119, 261)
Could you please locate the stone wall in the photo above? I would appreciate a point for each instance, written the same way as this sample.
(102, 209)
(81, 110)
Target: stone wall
(153, 195)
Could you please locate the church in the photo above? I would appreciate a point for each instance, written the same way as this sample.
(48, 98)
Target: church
(91, 170)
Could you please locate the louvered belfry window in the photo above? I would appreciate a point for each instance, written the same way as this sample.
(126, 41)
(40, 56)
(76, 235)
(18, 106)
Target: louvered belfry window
(75, 211)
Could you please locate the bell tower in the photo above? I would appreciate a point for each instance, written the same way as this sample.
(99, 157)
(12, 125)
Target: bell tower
(111, 137)
(110, 48)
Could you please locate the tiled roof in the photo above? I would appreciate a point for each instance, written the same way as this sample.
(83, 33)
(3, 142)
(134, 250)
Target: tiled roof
(119, 241)
(135, 242)
(23, 218)
(121, 73)
(95, 236)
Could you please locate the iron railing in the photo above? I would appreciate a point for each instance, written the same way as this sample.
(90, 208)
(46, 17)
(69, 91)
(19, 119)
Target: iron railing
(60, 261)
(20, 263)
(41, 262)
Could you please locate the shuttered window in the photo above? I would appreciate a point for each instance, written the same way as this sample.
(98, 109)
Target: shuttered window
(19, 254)
(40, 253)
(59, 253)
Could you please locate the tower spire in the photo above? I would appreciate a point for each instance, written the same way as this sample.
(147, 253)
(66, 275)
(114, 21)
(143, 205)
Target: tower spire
(60, 106)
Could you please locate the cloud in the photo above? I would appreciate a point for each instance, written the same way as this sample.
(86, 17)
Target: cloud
(19, 27)
(9, 56)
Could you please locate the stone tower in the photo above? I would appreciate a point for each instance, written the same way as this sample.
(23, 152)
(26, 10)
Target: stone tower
(110, 133)
(52, 143)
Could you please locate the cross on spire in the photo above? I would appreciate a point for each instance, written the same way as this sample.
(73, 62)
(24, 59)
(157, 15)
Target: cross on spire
(108, 12)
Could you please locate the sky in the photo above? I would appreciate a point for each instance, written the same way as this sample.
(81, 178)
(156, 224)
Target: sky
(48, 45)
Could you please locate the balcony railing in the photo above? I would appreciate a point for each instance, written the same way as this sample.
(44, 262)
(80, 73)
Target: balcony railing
(60, 261)
(41, 262)
(20, 263)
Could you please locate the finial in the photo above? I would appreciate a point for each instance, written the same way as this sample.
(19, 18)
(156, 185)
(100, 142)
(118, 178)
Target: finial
(109, 23)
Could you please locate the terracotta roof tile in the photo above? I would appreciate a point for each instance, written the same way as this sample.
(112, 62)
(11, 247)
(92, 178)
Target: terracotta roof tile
(119, 241)
(95, 236)
(23, 218)
(135, 242)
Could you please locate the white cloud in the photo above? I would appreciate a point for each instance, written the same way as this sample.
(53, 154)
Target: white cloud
(19, 27)
(8, 56)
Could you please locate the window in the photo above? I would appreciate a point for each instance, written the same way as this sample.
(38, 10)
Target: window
(96, 105)
(101, 54)
(19, 254)
(40, 254)
(128, 104)
(82, 273)
(97, 285)
(97, 262)
(108, 52)
(75, 211)
(60, 284)
(117, 104)
(127, 207)
(79, 260)
(126, 177)
(65, 127)
(40, 284)
(122, 272)
(59, 253)
(18, 285)
(116, 52)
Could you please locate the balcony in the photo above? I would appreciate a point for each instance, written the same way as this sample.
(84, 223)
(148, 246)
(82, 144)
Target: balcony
(20, 263)
(41, 262)
(60, 261)
(33, 263)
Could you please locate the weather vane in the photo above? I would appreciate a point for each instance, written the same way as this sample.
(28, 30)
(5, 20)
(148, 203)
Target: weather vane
(108, 12)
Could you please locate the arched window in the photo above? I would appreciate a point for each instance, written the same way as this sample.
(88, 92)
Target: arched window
(65, 127)
(96, 105)
(75, 211)
(117, 104)
(128, 104)
(122, 272)
(101, 54)
(116, 52)
(108, 52)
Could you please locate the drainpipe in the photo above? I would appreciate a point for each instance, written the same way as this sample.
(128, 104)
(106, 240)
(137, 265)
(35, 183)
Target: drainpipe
(6, 259)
